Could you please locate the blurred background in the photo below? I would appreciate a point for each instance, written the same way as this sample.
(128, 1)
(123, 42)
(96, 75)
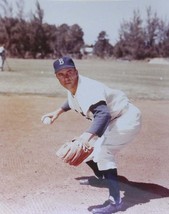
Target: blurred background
(125, 29)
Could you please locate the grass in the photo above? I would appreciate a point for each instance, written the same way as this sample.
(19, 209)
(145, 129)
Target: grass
(138, 79)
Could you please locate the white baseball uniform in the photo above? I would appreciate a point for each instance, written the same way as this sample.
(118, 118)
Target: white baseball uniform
(124, 124)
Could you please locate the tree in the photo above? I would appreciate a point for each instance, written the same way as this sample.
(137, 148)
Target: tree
(69, 40)
(102, 47)
(157, 36)
(164, 41)
(76, 41)
(151, 34)
(50, 32)
(61, 40)
(6, 22)
(37, 36)
(13, 29)
(131, 39)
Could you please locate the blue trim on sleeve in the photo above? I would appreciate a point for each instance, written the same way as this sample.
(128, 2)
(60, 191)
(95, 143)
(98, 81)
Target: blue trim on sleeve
(101, 120)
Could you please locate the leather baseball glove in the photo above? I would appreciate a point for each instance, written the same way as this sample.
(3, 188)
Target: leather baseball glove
(76, 151)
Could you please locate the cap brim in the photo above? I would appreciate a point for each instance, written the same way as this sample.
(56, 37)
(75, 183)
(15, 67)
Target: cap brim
(64, 67)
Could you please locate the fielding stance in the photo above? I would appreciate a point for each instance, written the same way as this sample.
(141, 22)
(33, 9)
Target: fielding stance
(115, 122)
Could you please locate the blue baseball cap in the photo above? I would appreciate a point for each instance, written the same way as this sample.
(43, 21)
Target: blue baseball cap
(64, 62)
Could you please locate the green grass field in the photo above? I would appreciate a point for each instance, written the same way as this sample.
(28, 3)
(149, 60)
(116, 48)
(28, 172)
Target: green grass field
(139, 80)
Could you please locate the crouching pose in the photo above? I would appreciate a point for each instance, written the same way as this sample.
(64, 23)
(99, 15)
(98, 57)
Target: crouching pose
(115, 121)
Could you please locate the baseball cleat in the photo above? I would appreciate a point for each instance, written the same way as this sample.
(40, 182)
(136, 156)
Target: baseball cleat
(107, 208)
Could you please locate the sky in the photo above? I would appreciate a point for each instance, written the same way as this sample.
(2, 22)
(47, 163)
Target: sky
(96, 16)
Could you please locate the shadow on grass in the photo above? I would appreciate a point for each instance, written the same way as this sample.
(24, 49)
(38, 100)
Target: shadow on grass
(134, 192)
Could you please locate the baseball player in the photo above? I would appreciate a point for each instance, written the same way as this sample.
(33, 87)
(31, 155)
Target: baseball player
(2, 57)
(115, 121)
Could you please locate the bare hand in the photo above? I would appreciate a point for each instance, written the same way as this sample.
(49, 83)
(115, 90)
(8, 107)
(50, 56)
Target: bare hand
(53, 115)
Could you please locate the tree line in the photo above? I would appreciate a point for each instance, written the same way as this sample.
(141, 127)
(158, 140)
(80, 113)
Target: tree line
(139, 40)
(32, 38)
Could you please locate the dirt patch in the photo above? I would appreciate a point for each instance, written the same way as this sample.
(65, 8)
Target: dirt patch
(35, 181)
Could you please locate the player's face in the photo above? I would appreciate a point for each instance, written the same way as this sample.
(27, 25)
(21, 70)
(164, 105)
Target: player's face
(68, 78)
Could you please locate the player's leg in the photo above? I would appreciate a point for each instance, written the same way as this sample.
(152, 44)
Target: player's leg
(107, 164)
(114, 203)
(98, 173)
(93, 164)
(94, 167)
(119, 133)
(113, 185)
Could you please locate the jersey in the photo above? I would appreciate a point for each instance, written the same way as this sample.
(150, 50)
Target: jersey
(97, 101)
(89, 92)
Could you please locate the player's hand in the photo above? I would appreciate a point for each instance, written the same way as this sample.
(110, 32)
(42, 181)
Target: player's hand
(77, 150)
(53, 115)
(86, 140)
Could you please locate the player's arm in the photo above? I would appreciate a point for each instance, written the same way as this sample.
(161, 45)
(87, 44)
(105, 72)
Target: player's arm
(55, 114)
(101, 119)
(77, 152)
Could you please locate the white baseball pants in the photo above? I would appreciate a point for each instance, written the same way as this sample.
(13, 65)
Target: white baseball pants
(118, 134)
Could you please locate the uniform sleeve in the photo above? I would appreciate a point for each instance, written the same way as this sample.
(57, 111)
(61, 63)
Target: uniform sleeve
(66, 106)
(101, 119)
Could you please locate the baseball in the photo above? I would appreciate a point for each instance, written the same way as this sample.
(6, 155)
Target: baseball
(47, 120)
